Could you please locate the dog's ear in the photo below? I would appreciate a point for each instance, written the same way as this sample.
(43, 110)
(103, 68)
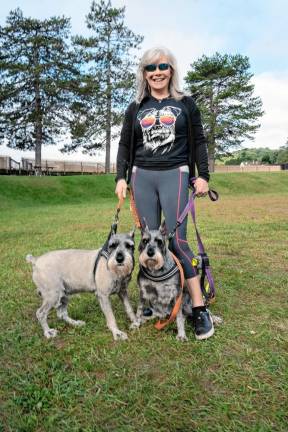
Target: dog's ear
(113, 228)
(144, 227)
(163, 229)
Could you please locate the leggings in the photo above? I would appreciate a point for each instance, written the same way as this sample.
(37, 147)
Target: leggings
(154, 191)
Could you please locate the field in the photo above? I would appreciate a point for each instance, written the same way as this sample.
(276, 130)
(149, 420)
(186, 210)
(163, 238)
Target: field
(83, 380)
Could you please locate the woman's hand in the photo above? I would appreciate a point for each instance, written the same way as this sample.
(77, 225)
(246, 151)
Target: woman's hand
(201, 187)
(121, 188)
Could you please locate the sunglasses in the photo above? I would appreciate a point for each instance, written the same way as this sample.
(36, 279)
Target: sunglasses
(165, 119)
(153, 67)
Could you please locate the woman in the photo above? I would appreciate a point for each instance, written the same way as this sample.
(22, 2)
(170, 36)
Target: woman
(161, 141)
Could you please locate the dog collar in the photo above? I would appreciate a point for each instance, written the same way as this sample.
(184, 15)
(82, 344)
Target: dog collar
(103, 252)
(171, 272)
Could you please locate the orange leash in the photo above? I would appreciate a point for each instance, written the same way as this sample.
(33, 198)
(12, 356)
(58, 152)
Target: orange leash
(134, 210)
(160, 325)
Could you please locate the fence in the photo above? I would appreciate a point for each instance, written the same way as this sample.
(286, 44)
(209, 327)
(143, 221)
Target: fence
(9, 165)
(56, 167)
(247, 168)
(52, 167)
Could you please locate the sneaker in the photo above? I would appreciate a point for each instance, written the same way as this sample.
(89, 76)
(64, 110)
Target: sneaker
(203, 325)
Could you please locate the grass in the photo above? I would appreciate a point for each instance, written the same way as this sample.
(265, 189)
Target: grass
(83, 380)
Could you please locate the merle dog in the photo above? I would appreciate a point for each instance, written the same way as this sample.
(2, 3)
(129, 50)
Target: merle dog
(59, 274)
(159, 280)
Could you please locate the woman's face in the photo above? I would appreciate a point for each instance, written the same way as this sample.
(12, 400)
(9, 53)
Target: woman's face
(159, 80)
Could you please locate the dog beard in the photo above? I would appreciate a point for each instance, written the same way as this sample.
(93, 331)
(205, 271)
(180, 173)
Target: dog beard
(151, 263)
(121, 270)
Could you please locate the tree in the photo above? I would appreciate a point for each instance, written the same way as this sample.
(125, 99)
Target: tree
(109, 83)
(39, 76)
(223, 91)
(282, 156)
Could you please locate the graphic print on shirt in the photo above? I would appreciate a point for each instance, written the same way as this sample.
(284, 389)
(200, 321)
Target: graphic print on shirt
(158, 128)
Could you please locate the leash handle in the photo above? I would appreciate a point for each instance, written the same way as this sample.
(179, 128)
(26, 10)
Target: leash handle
(213, 195)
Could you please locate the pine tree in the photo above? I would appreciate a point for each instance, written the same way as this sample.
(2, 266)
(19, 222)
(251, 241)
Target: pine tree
(39, 76)
(109, 82)
(223, 91)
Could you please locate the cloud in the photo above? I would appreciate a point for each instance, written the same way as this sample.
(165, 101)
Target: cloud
(273, 90)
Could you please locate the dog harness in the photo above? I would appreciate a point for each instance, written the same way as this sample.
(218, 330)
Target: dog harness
(171, 272)
(103, 252)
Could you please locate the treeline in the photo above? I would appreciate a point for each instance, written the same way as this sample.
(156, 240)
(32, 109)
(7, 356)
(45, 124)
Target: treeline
(59, 88)
(263, 155)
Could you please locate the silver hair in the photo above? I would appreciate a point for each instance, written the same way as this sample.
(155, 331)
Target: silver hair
(151, 56)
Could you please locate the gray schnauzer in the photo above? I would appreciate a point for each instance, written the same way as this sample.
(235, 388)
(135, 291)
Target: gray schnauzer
(59, 274)
(159, 280)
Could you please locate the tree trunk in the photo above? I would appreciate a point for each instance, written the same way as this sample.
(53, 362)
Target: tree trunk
(108, 117)
(211, 137)
(38, 114)
(211, 161)
(108, 135)
(38, 129)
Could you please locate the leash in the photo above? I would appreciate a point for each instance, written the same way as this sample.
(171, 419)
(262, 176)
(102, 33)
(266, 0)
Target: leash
(116, 218)
(103, 251)
(133, 209)
(161, 324)
(201, 261)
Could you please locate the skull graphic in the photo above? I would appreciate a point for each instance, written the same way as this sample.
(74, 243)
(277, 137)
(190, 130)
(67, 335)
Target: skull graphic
(158, 128)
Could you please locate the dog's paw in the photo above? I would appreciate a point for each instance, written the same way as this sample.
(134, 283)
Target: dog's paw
(79, 323)
(182, 338)
(119, 335)
(217, 319)
(135, 325)
(51, 333)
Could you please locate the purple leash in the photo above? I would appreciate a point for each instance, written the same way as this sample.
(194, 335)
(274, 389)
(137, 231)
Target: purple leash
(205, 265)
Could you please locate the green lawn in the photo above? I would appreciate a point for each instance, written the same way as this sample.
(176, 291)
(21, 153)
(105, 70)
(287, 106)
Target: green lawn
(83, 380)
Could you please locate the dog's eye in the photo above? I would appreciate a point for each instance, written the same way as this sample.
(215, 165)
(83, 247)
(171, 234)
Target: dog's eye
(113, 245)
(129, 246)
(159, 243)
(145, 241)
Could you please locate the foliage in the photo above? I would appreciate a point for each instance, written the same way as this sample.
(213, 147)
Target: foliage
(257, 155)
(38, 75)
(110, 78)
(221, 86)
(282, 156)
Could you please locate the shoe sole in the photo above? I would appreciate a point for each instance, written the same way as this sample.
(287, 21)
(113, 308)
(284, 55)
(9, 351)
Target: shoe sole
(206, 335)
(209, 333)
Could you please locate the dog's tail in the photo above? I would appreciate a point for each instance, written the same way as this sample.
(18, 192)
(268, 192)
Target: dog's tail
(30, 259)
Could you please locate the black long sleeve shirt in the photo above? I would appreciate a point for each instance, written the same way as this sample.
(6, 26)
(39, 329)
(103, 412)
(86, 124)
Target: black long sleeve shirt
(194, 143)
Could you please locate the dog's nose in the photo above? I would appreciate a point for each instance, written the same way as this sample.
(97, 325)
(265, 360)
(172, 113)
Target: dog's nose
(150, 251)
(119, 257)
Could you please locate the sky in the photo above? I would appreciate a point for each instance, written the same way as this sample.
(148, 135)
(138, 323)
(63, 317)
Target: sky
(191, 28)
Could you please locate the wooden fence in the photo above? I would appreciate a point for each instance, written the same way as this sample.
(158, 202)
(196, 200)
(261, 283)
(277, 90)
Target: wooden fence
(56, 167)
(9, 165)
